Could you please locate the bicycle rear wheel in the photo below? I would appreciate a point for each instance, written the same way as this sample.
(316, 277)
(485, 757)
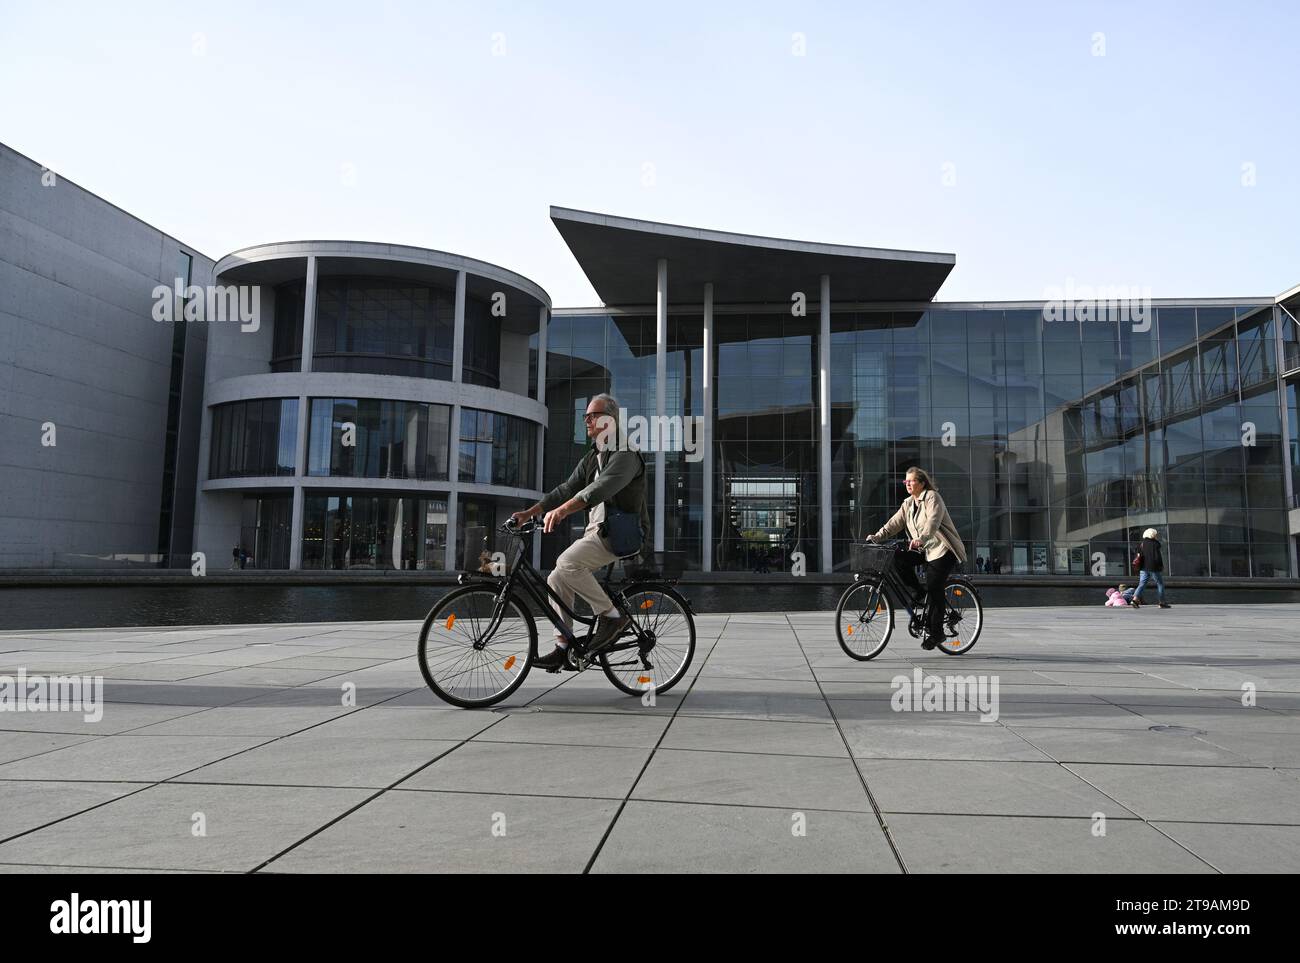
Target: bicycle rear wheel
(664, 618)
(864, 619)
(473, 651)
(963, 617)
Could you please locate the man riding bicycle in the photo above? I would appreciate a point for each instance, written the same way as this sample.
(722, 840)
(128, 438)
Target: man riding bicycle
(607, 473)
(934, 543)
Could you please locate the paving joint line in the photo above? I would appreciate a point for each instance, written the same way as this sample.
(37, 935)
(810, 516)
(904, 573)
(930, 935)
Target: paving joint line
(880, 817)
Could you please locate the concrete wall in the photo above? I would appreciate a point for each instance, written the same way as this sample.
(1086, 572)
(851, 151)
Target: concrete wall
(514, 362)
(233, 351)
(79, 348)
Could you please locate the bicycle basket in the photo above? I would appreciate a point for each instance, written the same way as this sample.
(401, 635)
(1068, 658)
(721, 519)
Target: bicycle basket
(868, 559)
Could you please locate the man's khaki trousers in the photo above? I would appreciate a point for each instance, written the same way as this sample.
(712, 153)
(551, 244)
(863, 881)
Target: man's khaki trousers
(575, 573)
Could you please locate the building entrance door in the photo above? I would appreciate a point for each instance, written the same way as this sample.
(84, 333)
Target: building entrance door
(761, 527)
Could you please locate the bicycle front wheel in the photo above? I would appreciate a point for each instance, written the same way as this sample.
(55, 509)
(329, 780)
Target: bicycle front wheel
(657, 654)
(475, 650)
(963, 617)
(864, 619)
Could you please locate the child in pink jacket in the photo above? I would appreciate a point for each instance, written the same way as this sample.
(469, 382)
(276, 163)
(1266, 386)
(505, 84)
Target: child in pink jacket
(1114, 599)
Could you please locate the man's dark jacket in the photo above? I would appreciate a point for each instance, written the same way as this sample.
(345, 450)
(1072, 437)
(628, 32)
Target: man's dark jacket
(621, 481)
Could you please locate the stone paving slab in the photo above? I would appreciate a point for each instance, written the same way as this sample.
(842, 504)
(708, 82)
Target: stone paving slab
(613, 730)
(534, 770)
(440, 832)
(1239, 849)
(1140, 746)
(318, 748)
(659, 837)
(31, 803)
(963, 787)
(310, 760)
(750, 735)
(20, 745)
(1198, 793)
(154, 828)
(998, 844)
(753, 779)
(129, 757)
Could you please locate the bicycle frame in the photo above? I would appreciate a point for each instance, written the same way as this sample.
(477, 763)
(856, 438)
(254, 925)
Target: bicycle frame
(893, 582)
(897, 591)
(527, 578)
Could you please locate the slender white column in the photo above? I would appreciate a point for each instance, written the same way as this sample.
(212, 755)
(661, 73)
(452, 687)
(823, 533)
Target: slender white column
(458, 339)
(453, 476)
(824, 412)
(453, 430)
(304, 412)
(309, 316)
(706, 509)
(661, 375)
(541, 429)
(1289, 431)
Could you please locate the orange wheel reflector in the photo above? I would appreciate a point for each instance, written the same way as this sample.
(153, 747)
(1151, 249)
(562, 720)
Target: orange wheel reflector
(956, 591)
(643, 679)
(451, 620)
(510, 662)
(648, 603)
(850, 628)
(880, 608)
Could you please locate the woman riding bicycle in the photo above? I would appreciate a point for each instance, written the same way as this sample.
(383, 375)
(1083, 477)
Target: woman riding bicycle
(934, 543)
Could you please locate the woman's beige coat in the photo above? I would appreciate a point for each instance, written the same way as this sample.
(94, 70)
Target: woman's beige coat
(926, 518)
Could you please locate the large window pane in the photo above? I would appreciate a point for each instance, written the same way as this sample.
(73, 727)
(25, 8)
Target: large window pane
(252, 438)
(392, 439)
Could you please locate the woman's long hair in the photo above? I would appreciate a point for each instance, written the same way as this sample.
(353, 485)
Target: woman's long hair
(924, 477)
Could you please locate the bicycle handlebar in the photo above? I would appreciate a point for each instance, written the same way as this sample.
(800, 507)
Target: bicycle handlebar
(527, 528)
(894, 543)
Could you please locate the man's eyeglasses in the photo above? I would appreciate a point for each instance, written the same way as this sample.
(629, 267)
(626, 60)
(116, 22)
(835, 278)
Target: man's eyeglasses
(592, 415)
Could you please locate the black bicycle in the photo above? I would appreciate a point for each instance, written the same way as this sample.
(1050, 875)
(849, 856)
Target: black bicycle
(864, 619)
(479, 642)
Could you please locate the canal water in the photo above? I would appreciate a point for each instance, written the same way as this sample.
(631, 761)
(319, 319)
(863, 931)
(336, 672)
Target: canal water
(130, 605)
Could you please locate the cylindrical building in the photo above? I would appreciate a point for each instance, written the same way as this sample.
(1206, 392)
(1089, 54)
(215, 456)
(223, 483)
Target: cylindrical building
(382, 409)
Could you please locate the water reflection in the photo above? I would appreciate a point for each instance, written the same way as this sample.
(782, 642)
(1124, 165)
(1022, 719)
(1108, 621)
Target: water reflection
(108, 607)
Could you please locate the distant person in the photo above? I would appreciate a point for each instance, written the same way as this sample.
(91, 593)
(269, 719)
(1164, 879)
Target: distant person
(996, 565)
(235, 557)
(979, 563)
(1150, 562)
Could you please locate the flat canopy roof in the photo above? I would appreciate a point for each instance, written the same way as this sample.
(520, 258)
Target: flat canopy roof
(619, 256)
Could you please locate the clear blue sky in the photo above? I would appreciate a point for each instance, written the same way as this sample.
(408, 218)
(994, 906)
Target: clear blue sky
(1125, 168)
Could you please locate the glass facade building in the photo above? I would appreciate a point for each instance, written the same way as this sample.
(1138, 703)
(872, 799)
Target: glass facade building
(801, 381)
(1054, 444)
